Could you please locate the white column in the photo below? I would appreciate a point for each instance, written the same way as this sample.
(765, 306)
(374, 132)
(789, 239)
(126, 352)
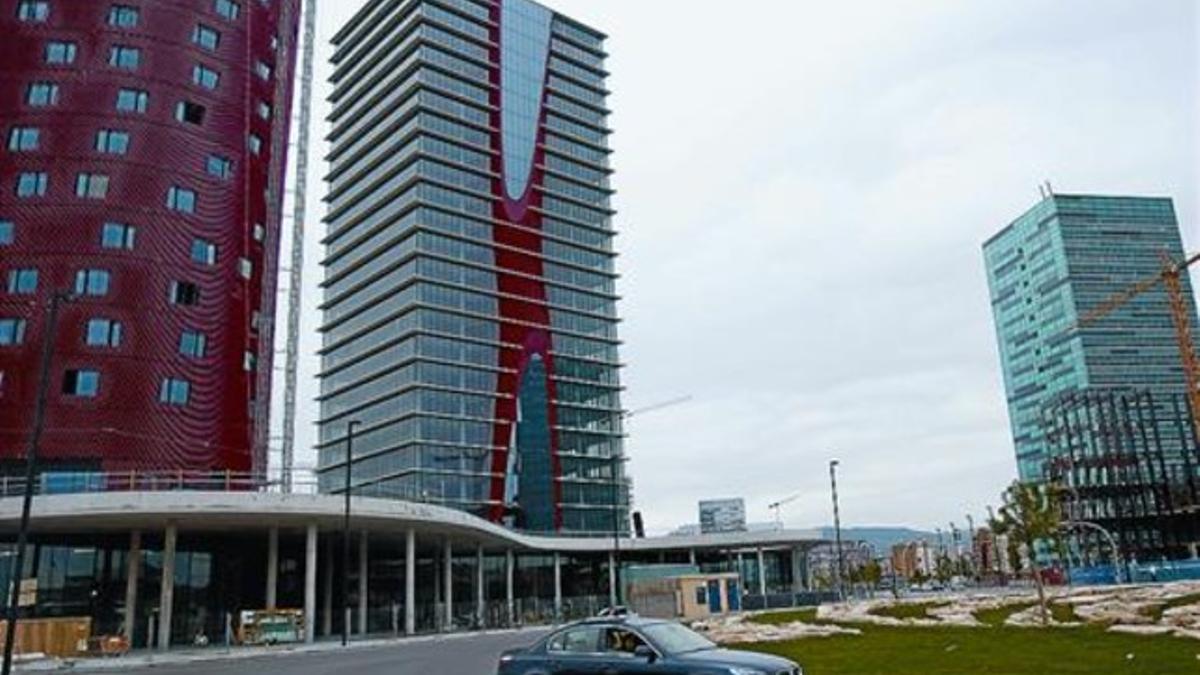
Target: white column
(310, 583)
(438, 620)
(741, 577)
(410, 583)
(480, 594)
(797, 569)
(449, 584)
(762, 573)
(363, 574)
(133, 569)
(272, 566)
(510, 571)
(327, 591)
(612, 579)
(692, 557)
(558, 600)
(166, 598)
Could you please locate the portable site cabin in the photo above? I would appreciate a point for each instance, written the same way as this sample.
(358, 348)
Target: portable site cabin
(681, 592)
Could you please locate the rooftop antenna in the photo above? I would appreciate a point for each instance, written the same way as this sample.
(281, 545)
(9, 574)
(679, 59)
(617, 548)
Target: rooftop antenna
(1042, 190)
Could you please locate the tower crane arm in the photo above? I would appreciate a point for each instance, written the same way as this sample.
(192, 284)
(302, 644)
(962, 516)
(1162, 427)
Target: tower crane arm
(785, 500)
(658, 406)
(1115, 301)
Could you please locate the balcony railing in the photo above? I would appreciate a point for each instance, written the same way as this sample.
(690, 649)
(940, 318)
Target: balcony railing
(60, 483)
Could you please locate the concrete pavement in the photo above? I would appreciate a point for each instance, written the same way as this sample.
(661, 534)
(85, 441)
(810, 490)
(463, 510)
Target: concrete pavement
(465, 654)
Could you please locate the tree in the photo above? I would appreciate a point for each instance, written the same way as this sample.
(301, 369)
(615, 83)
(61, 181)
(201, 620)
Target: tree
(963, 567)
(872, 573)
(1031, 513)
(945, 569)
(822, 581)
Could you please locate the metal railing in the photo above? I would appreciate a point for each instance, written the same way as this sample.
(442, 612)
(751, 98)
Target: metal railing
(72, 482)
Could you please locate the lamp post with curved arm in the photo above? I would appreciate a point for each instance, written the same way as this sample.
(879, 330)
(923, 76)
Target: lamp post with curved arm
(617, 479)
(1118, 559)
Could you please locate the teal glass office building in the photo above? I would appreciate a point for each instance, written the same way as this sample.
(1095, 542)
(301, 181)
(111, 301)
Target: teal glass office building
(1059, 260)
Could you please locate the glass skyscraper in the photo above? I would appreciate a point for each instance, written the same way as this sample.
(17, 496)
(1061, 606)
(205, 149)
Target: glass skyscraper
(1055, 263)
(470, 324)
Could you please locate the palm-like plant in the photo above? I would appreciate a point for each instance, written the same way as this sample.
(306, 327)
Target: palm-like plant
(1031, 513)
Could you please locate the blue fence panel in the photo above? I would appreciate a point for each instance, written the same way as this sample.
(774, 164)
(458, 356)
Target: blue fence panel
(1176, 570)
(1094, 576)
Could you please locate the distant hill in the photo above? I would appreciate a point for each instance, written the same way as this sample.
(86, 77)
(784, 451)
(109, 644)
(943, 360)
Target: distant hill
(881, 538)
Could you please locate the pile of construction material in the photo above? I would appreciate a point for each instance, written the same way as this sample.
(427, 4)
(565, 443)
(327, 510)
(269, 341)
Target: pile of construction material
(1161, 609)
(735, 629)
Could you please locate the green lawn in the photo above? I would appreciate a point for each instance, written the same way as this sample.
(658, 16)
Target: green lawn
(994, 651)
(1156, 613)
(997, 617)
(779, 618)
(907, 610)
(1064, 613)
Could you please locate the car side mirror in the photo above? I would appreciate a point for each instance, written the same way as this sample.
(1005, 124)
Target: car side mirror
(645, 652)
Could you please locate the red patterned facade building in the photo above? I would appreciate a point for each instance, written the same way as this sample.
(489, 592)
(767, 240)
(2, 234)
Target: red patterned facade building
(142, 173)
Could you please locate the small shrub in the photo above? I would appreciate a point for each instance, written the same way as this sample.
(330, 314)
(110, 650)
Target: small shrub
(1063, 613)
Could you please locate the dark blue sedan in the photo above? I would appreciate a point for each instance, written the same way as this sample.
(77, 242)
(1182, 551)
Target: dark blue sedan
(637, 646)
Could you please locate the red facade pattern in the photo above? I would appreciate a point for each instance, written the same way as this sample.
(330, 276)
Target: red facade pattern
(125, 426)
(525, 317)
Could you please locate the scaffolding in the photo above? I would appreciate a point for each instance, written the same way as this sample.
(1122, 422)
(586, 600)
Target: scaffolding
(1127, 460)
(287, 453)
(276, 179)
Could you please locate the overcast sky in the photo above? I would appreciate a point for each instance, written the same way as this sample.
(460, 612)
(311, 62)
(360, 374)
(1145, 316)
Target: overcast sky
(804, 188)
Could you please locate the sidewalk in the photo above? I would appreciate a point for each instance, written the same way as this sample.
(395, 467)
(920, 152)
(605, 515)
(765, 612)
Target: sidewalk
(181, 656)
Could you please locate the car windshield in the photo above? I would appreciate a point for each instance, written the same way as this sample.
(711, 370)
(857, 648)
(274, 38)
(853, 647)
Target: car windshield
(675, 639)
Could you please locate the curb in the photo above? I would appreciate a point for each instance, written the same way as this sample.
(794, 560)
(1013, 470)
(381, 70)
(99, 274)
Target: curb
(150, 660)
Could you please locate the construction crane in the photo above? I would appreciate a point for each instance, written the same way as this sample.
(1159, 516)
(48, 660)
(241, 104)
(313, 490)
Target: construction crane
(777, 506)
(657, 406)
(1171, 277)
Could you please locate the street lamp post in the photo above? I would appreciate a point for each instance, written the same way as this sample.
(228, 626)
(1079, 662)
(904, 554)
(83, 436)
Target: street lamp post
(350, 427)
(837, 529)
(616, 499)
(971, 542)
(35, 437)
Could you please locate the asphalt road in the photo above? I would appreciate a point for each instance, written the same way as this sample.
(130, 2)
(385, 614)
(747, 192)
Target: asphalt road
(454, 655)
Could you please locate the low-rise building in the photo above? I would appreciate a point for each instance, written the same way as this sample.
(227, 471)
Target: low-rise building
(682, 592)
(167, 567)
(823, 562)
(912, 560)
(722, 515)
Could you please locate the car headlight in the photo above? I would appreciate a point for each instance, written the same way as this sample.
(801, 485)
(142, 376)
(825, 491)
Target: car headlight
(745, 671)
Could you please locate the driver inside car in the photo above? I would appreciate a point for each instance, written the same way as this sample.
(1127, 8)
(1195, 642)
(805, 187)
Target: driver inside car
(622, 641)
